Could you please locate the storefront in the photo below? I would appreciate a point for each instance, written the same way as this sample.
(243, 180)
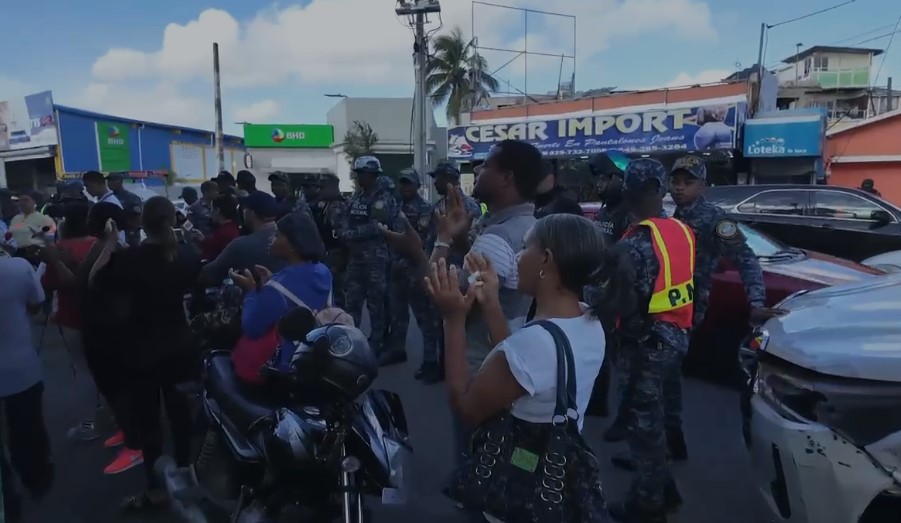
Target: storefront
(98, 142)
(303, 151)
(868, 150)
(665, 131)
(29, 140)
(786, 146)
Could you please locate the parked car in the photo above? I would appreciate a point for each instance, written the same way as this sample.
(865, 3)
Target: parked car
(786, 270)
(823, 410)
(887, 261)
(848, 223)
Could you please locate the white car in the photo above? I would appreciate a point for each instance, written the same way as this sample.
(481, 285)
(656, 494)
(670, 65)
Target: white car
(887, 261)
(823, 420)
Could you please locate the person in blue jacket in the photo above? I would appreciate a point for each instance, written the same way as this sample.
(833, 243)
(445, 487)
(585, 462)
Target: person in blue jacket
(297, 241)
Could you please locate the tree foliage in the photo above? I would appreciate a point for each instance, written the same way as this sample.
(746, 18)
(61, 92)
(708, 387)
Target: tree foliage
(457, 75)
(359, 140)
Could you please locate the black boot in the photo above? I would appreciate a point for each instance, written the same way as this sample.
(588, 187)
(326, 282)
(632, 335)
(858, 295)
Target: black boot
(672, 499)
(630, 512)
(675, 442)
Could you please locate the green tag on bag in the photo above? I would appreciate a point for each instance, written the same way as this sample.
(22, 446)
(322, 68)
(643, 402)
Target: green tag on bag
(521, 458)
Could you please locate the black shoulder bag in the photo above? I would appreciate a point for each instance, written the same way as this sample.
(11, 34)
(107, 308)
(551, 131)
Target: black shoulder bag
(523, 472)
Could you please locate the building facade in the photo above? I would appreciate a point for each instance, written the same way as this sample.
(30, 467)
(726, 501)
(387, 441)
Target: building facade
(869, 150)
(785, 146)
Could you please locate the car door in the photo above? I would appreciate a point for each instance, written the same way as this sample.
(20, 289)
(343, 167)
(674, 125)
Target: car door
(780, 213)
(850, 224)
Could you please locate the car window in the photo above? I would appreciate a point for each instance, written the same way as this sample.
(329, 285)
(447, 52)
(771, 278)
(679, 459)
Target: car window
(776, 202)
(830, 204)
(759, 243)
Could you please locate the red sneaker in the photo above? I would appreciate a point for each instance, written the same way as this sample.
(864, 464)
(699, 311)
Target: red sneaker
(127, 459)
(116, 440)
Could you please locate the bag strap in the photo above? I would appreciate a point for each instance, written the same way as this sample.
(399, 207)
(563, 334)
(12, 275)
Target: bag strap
(566, 406)
(288, 294)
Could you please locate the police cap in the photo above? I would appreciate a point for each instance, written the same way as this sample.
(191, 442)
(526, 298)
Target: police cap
(367, 164)
(409, 175)
(692, 165)
(645, 175)
(445, 168)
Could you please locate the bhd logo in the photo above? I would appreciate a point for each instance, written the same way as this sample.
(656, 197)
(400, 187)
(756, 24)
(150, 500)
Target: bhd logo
(278, 136)
(114, 138)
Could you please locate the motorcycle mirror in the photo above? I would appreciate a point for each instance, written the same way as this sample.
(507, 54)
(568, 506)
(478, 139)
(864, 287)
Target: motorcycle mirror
(296, 324)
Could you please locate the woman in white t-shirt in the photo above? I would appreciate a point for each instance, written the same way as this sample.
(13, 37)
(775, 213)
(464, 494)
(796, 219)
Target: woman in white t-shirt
(563, 254)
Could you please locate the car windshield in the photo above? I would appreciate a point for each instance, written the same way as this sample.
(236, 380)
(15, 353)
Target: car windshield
(762, 245)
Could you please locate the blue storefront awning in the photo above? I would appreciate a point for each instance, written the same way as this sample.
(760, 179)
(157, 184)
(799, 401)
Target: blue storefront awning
(785, 136)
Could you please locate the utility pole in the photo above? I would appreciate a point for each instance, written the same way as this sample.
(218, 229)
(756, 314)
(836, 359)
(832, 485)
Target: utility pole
(220, 150)
(417, 10)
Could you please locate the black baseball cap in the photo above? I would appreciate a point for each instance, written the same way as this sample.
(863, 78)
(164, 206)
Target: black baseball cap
(225, 177)
(262, 204)
(188, 192)
(246, 177)
(445, 168)
(277, 177)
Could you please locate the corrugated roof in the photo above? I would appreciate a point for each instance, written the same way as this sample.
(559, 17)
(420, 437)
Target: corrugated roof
(101, 116)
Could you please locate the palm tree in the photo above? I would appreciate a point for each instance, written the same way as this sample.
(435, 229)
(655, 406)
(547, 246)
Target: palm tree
(456, 75)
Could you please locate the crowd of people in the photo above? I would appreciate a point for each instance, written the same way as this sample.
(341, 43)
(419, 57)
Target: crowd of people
(502, 284)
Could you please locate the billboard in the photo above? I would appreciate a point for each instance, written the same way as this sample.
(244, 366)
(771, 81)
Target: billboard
(113, 148)
(784, 137)
(697, 127)
(289, 136)
(28, 122)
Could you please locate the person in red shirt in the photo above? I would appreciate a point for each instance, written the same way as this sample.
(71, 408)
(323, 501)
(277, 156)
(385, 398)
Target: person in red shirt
(225, 228)
(63, 260)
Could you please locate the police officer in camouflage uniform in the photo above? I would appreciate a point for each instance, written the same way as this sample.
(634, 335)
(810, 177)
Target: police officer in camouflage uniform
(656, 343)
(200, 213)
(717, 235)
(445, 174)
(328, 211)
(368, 210)
(288, 202)
(407, 287)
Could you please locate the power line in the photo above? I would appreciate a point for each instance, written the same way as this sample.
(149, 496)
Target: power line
(880, 37)
(865, 33)
(885, 54)
(808, 15)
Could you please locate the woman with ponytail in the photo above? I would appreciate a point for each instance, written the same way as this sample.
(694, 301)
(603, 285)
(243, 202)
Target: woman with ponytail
(149, 282)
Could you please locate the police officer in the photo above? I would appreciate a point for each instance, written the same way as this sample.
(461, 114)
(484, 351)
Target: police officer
(445, 174)
(288, 202)
(200, 212)
(614, 217)
(367, 273)
(407, 289)
(657, 337)
(328, 211)
(717, 235)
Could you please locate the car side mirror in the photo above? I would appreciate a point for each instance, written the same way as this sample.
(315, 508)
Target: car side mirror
(881, 217)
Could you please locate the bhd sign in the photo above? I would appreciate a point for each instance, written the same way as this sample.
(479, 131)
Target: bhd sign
(784, 137)
(695, 128)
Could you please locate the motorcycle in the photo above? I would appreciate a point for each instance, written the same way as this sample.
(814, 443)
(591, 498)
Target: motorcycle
(301, 442)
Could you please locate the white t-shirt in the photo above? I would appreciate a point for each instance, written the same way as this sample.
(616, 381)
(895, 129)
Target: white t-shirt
(20, 286)
(533, 361)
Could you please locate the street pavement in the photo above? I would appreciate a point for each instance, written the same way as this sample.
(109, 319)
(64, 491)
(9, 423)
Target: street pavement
(715, 482)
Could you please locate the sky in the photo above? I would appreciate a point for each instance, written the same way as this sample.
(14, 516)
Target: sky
(153, 60)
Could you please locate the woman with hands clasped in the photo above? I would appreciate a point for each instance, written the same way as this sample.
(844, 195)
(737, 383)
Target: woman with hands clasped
(563, 254)
(269, 296)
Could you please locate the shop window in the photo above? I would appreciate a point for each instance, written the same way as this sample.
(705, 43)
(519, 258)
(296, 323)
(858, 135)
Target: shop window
(776, 202)
(843, 206)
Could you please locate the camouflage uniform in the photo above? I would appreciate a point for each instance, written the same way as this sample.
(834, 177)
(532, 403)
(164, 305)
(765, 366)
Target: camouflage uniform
(613, 219)
(655, 350)
(368, 253)
(407, 288)
(716, 235)
(328, 215)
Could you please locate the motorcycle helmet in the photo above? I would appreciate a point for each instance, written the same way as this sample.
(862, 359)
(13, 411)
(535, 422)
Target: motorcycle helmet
(335, 361)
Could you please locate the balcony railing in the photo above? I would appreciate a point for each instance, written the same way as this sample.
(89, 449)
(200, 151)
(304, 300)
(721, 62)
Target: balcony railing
(850, 78)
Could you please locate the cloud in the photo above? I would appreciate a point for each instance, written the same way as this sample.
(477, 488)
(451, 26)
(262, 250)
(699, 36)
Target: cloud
(708, 76)
(360, 45)
(262, 111)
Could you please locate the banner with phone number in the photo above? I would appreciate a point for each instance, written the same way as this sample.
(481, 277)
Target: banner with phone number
(700, 127)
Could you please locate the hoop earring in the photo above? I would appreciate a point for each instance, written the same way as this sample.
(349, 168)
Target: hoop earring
(541, 274)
